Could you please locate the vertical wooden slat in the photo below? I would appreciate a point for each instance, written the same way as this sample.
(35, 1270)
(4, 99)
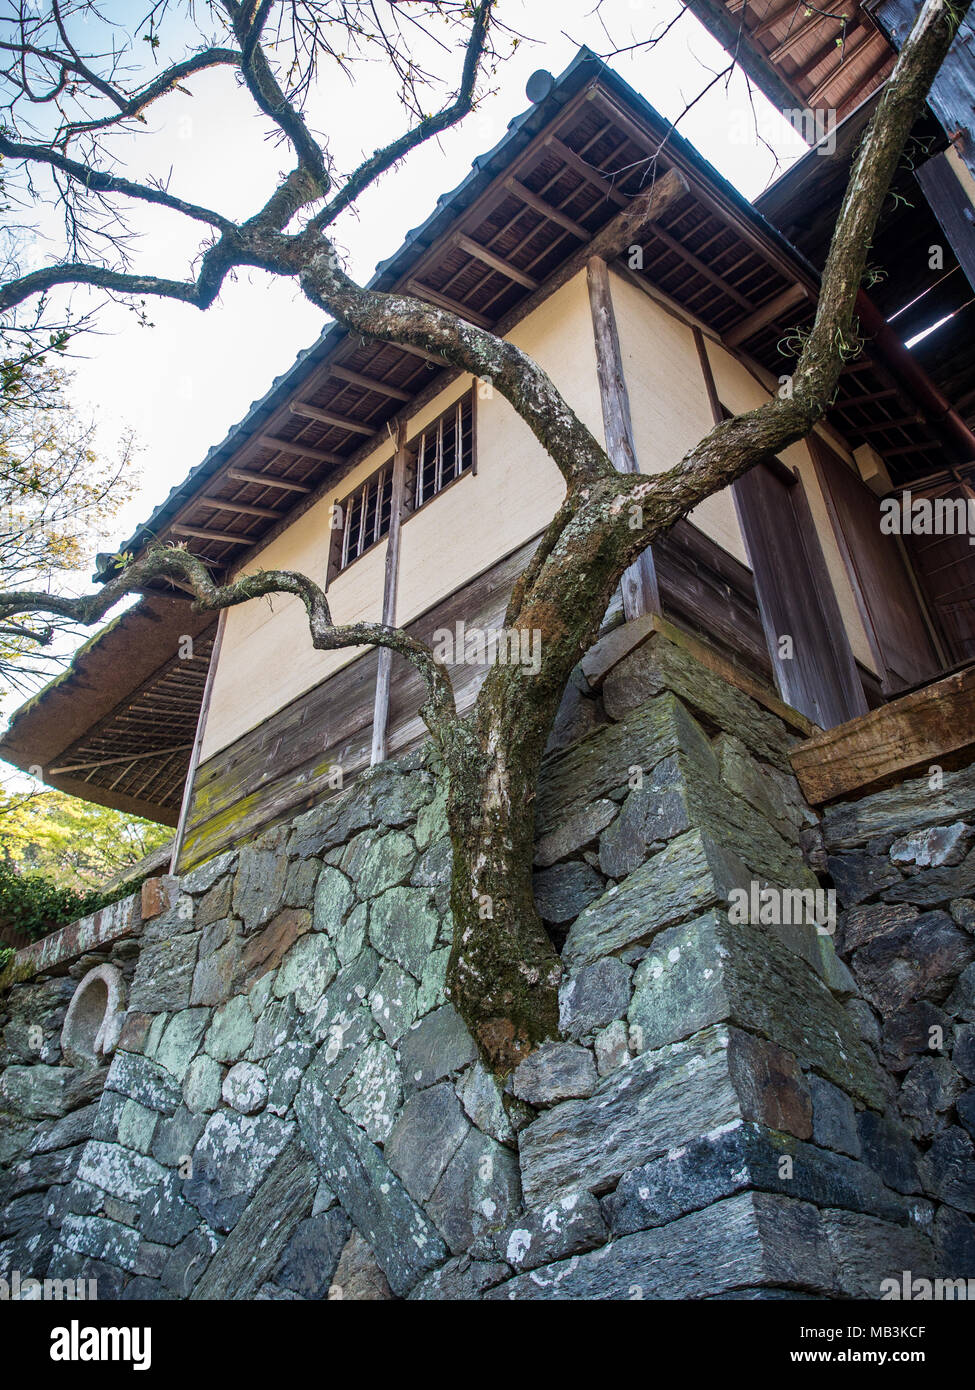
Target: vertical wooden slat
(639, 584)
(197, 743)
(792, 583)
(380, 719)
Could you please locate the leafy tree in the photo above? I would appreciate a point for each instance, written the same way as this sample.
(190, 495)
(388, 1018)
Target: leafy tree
(503, 970)
(73, 843)
(56, 493)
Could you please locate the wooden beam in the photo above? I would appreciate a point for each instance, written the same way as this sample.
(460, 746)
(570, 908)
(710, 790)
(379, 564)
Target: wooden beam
(380, 718)
(772, 17)
(328, 417)
(797, 36)
(197, 743)
(122, 758)
(481, 253)
(852, 52)
(545, 210)
(412, 351)
(224, 504)
(591, 175)
(292, 446)
(690, 259)
(369, 383)
(641, 593)
(898, 422)
(913, 732)
(710, 388)
(868, 398)
(455, 306)
(241, 475)
(766, 314)
(202, 533)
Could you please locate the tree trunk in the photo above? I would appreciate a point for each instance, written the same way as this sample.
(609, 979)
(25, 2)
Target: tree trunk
(504, 971)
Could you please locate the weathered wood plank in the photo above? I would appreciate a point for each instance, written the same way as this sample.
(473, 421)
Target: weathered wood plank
(397, 505)
(639, 584)
(911, 733)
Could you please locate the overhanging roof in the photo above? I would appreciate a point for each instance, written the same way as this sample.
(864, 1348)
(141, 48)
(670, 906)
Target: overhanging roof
(117, 726)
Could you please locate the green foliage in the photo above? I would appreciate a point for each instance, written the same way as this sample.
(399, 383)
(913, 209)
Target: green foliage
(7, 954)
(73, 844)
(33, 903)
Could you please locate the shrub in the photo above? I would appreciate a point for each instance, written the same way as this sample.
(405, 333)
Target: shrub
(37, 905)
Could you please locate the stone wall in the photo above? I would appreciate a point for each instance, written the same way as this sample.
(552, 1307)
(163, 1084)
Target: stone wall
(49, 1103)
(295, 1111)
(903, 861)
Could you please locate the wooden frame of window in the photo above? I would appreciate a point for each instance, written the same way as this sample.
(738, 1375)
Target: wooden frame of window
(430, 455)
(426, 450)
(366, 515)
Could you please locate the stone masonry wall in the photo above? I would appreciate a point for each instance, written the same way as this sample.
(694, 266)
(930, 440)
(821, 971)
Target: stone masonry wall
(295, 1111)
(48, 1105)
(903, 862)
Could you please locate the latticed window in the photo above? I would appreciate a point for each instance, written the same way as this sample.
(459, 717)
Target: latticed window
(444, 451)
(435, 458)
(364, 517)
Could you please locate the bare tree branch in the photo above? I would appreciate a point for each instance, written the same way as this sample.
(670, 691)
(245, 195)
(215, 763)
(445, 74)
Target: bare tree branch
(97, 181)
(371, 169)
(438, 710)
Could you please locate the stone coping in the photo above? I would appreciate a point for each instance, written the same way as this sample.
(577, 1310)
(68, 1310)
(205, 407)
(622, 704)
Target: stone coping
(111, 923)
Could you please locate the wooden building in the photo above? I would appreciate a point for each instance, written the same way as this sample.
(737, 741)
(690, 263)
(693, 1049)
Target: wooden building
(418, 494)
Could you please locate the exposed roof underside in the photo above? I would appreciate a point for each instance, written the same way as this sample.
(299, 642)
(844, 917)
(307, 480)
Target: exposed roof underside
(117, 727)
(563, 170)
(828, 57)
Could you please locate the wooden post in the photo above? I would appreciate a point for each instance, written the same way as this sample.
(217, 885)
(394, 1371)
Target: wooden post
(184, 809)
(380, 718)
(639, 584)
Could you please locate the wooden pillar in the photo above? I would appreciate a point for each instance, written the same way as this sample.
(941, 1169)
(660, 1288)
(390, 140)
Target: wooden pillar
(639, 584)
(380, 718)
(184, 809)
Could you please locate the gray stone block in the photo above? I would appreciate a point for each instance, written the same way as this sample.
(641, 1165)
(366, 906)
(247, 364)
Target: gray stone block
(405, 1244)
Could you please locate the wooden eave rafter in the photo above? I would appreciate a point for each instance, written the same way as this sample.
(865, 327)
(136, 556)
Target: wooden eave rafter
(784, 47)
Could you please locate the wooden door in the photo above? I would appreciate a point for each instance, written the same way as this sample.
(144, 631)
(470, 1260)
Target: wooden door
(814, 666)
(885, 591)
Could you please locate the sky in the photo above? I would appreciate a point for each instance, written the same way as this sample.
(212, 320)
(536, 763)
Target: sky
(182, 379)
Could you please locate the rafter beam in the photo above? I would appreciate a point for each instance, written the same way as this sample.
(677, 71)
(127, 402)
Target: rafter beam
(586, 171)
(124, 758)
(203, 533)
(455, 306)
(369, 383)
(711, 275)
(797, 35)
(241, 475)
(292, 446)
(328, 417)
(412, 351)
(772, 16)
(224, 504)
(766, 314)
(544, 209)
(498, 263)
(852, 52)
